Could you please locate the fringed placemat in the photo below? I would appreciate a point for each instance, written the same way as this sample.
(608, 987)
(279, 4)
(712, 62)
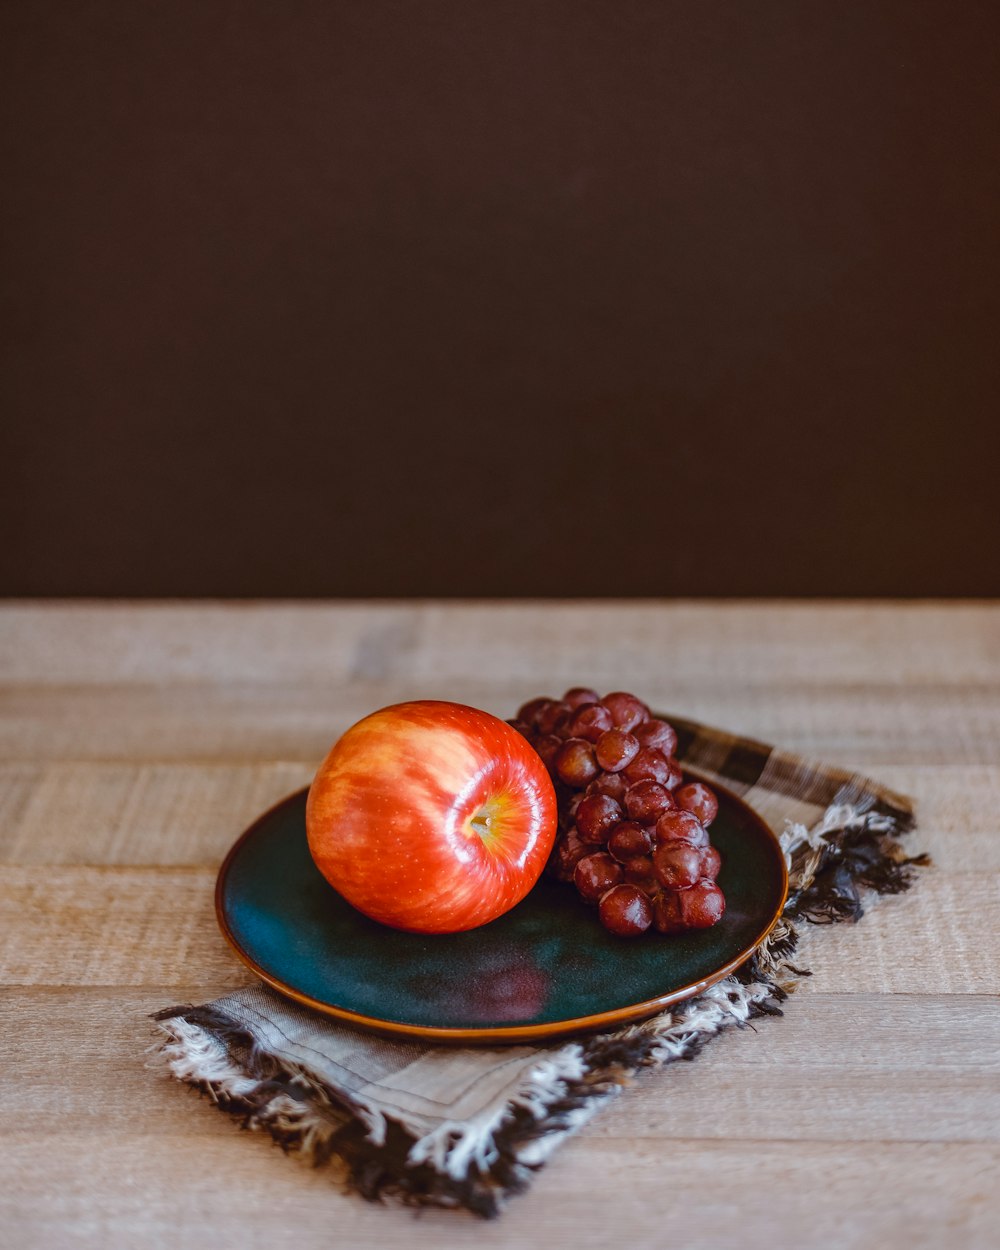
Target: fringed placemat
(469, 1127)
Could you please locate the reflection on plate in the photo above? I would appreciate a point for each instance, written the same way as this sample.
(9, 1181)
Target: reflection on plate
(545, 969)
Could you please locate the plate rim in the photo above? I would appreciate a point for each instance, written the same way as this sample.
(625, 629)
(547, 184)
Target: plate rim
(506, 1034)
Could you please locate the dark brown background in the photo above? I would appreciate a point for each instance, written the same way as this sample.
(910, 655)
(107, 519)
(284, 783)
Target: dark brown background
(521, 298)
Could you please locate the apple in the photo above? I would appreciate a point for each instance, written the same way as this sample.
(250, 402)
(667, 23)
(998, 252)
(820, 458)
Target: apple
(431, 816)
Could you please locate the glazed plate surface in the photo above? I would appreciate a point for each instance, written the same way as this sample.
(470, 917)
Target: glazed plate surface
(544, 969)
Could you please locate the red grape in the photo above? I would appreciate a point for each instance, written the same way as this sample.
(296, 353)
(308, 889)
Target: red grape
(615, 749)
(646, 800)
(596, 816)
(711, 862)
(696, 798)
(590, 721)
(676, 776)
(657, 733)
(700, 907)
(677, 826)
(580, 694)
(677, 865)
(703, 905)
(613, 784)
(569, 850)
(639, 871)
(529, 712)
(568, 818)
(628, 840)
(626, 710)
(575, 762)
(553, 718)
(626, 911)
(668, 912)
(595, 874)
(638, 868)
(548, 747)
(651, 763)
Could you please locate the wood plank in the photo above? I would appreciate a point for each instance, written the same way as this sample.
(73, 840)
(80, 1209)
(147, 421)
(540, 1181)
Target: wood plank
(111, 926)
(939, 938)
(84, 1062)
(836, 1067)
(189, 813)
(556, 642)
(101, 1192)
(871, 722)
(863, 1067)
(951, 798)
(114, 813)
(141, 926)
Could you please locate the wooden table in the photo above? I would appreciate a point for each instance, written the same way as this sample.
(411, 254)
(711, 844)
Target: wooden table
(139, 740)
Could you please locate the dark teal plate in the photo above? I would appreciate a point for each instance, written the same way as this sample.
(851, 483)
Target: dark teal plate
(545, 968)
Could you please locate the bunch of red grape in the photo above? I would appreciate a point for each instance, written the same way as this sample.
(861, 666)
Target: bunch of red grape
(633, 837)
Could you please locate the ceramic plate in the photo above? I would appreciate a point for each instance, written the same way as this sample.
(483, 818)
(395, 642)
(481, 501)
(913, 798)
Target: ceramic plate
(544, 969)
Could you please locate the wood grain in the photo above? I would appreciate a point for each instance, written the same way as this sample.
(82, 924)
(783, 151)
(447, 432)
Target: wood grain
(109, 926)
(179, 812)
(123, 813)
(869, 1067)
(879, 723)
(139, 739)
(295, 643)
(107, 1192)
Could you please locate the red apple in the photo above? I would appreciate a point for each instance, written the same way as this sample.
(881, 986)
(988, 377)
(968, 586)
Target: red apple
(431, 816)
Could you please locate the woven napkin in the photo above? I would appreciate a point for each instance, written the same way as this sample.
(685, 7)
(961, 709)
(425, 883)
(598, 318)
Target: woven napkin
(468, 1127)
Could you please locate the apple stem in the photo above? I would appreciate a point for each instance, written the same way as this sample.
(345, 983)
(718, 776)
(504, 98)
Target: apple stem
(482, 824)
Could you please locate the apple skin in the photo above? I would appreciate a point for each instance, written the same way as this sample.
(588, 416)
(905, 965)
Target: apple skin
(431, 817)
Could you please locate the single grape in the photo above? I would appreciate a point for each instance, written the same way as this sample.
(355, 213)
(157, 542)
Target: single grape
(711, 862)
(615, 748)
(548, 747)
(649, 763)
(696, 798)
(590, 721)
(703, 905)
(677, 865)
(596, 874)
(628, 840)
(613, 784)
(649, 886)
(575, 763)
(638, 868)
(529, 712)
(646, 800)
(678, 826)
(596, 816)
(668, 912)
(657, 733)
(639, 871)
(625, 911)
(580, 694)
(568, 852)
(626, 710)
(552, 719)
